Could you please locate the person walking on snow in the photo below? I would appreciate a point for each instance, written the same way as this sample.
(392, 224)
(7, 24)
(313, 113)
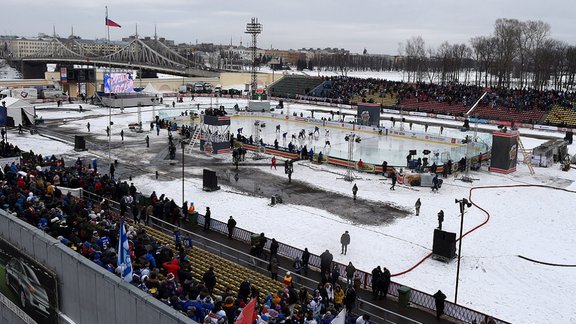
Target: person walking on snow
(345, 240)
(88, 126)
(440, 219)
(393, 178)
(354, 191)
(417, 206)
(273, 165)
(122, 135)
(435, 183)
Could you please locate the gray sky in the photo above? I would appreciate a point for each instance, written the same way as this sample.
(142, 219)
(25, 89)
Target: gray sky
(377, 25)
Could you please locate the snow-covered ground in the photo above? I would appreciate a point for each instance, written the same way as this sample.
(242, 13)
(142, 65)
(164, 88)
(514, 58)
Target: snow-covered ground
(534, 222)
(7, 72)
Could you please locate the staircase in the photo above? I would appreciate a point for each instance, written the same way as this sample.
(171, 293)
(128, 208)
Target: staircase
(526, 156)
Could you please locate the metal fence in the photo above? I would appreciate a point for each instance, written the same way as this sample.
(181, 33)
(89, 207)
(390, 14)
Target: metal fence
(417, 297)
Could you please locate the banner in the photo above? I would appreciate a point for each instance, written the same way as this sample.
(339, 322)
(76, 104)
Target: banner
(26, 287)
(63, 75)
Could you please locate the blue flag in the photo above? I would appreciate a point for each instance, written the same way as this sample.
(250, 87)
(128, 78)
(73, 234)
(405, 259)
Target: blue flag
(3, 115)
(124, 261)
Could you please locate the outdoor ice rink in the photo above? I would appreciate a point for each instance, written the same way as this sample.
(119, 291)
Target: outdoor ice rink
(373, 148)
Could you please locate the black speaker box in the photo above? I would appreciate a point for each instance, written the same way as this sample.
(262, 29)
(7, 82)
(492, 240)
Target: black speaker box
(79, 143)
(209, 180)
(412, 152)
(569, 137)
(444, 244)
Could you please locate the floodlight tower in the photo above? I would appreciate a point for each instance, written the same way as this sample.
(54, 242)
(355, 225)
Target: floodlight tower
(253, 28)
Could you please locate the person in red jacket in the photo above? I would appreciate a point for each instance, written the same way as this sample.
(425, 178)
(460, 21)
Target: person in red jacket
(172, 267)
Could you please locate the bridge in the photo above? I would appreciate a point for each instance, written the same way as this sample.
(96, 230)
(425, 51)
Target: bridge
(148, 55)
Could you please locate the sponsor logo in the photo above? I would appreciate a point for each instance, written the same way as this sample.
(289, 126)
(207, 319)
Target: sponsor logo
(513, 152)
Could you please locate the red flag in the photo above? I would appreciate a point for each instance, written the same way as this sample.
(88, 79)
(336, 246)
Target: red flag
(111, 23)
(248, 314)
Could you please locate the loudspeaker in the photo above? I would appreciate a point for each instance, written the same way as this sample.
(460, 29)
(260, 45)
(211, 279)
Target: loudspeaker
(412, 152)
(569, 137)
(209, 181)
(79, 143)
(91, 75)
(80, 75)
(444, 244)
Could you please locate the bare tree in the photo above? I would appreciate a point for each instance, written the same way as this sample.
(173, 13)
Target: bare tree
(483, 47)
(507, 34)
(415, 55)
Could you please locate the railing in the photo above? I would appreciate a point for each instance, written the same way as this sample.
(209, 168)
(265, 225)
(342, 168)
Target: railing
(417, 297)
(247, 260)
(253, 262)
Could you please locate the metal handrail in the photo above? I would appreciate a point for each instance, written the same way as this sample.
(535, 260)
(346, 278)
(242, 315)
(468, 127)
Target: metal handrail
(254, 262)
(416, 297)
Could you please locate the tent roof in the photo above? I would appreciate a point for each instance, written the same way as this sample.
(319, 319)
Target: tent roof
(150, 89)
(15, 103)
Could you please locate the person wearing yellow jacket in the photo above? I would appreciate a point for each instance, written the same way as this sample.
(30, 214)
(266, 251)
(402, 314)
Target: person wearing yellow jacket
(338, 297)
(288, 279)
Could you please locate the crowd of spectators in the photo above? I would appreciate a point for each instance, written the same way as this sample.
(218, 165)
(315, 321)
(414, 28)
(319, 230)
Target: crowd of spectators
(31, 191)
(344, 89)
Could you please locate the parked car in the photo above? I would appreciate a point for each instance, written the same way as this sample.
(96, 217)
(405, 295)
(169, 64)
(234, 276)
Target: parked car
(21, 278)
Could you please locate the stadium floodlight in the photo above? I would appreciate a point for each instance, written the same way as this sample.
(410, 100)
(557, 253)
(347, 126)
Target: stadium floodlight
(253, 28)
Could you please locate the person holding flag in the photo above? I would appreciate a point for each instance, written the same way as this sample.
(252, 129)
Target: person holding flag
(248, 314)
(124, 261)
(340, 319)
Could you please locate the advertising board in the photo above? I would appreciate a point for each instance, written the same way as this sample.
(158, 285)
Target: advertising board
(27, 287)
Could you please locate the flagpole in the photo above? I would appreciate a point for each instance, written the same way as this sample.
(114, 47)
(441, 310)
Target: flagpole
(110, 88)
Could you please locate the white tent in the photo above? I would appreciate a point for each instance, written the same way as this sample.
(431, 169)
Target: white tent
(150, 89)
(21, 111)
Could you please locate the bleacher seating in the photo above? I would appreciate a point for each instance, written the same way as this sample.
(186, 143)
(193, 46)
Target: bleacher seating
(561, 116)
(433, 106)
(228, 274)
(291, 85)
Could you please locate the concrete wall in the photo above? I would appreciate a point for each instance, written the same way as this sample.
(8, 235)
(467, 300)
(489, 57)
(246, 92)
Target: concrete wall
(226, 79)
(87, 293)
(7, 316)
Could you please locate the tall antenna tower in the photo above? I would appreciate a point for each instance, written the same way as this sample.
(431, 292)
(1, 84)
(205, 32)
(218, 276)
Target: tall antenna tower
(253, 28)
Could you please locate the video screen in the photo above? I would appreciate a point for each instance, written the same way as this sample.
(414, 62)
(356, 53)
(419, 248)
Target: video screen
(118, 83)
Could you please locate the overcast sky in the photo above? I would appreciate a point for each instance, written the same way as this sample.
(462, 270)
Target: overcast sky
(377, 25)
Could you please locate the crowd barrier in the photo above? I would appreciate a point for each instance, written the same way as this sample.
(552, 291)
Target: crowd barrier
(417, 298)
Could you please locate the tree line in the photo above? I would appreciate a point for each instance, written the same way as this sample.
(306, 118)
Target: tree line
(517, 54)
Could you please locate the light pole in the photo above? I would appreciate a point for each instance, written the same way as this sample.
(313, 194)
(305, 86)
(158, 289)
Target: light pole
(463, 203)
(182, 146)
(350, 138)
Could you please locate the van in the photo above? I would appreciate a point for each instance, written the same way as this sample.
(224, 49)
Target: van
(207, 87)
(198, 87)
